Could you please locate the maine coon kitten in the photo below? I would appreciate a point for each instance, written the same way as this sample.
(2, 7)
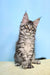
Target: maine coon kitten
(25, 46)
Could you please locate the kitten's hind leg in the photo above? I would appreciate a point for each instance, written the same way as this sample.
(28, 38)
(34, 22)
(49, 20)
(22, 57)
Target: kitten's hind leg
(36, 61)
(17, 64)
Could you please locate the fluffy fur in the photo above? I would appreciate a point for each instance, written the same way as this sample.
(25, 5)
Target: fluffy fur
(25, 46)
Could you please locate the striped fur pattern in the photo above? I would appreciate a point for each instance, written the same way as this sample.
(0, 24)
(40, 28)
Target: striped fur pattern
(25, 46)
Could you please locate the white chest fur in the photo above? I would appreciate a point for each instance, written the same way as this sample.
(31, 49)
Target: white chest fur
(28, 45)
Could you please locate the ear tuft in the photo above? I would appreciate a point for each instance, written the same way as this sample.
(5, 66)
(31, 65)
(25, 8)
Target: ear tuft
(36, 21)
(25, 18)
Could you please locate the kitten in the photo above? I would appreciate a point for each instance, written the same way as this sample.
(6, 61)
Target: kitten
(25, 46)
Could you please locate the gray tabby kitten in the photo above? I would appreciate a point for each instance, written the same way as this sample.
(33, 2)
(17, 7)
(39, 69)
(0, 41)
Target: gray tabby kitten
(25, 46)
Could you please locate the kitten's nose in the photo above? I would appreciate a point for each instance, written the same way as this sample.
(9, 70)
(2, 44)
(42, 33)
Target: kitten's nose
(30, 30)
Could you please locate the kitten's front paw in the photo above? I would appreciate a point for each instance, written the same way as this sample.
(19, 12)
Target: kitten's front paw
(24, 65)
(30, 66)
(27, 66)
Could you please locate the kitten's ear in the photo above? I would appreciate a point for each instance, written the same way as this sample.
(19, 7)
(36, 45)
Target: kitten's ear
(36, 21)
(25, 18)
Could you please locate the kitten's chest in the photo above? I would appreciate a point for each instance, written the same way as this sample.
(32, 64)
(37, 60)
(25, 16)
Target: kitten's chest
(28, 45)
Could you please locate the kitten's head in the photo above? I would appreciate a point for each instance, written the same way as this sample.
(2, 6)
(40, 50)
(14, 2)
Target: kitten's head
(29, 25)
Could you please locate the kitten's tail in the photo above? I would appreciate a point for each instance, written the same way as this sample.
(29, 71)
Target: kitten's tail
(42, 58)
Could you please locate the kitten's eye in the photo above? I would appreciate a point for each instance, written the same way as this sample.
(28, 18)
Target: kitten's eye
(26, 26)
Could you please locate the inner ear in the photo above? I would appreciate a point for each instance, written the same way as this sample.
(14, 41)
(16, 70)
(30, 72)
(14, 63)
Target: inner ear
(25, 18)
(36, 22)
